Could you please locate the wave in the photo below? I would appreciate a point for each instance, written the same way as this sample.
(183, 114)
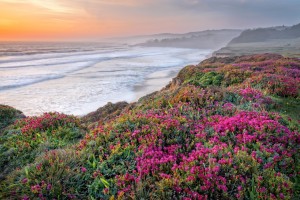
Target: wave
(60, 66)
(28, 81)
(61, 70)
(70, 58)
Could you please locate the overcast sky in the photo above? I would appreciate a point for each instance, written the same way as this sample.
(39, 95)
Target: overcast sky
(65, 19)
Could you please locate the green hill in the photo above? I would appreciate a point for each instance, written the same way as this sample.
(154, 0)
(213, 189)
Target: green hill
(281, 40)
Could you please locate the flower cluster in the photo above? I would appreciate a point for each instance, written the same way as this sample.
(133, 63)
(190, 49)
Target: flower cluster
(250, 94)
(236, 149)
(45, 122)
(25, 136)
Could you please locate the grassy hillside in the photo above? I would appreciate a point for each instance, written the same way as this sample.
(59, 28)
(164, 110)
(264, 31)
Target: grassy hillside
(227, 128)
(286, 47)
(280, 40)
(264, 34)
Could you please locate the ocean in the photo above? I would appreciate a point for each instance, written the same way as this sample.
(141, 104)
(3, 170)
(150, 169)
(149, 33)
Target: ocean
(77, 78)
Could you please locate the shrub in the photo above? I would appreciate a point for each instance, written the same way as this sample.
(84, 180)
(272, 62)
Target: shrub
(54, 174)
(30, 136)
(206, 79)
(8, 115)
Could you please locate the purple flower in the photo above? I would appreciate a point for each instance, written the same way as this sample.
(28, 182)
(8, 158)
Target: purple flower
(83, 169)
(25, 180)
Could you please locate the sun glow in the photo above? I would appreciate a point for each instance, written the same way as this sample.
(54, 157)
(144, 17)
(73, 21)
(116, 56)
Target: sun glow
(45, 20)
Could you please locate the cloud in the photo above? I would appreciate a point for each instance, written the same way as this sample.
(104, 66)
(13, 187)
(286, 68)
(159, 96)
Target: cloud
(51, 5)
(196, 14)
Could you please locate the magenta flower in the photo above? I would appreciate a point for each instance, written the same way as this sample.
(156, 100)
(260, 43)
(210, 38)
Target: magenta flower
(49, 186)
(83, 169)
(25, 198)
(25, 180)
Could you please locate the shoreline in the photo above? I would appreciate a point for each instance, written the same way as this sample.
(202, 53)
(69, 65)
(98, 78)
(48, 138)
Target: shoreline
(153, 82)
(156, 81)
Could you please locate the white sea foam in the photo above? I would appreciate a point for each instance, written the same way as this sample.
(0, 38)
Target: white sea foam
(77, 79)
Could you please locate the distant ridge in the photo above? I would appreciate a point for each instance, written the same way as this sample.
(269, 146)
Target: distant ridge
(209, 39)
(168, 34)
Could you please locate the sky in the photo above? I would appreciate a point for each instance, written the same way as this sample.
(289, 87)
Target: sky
(94, 19)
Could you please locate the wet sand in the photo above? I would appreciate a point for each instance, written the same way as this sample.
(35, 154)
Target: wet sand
(154, 82)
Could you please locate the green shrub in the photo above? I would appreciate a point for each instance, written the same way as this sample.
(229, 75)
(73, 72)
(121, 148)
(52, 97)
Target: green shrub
(8, 116)
(28, 137)
(206, 79)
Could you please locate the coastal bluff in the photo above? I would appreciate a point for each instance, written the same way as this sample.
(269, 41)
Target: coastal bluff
(227, 128)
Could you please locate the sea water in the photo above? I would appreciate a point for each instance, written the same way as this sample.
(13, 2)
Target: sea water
(77, 78)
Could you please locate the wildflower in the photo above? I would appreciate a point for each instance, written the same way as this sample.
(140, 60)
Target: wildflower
(239, 188)
(35, 189)
(25, 180)
(190, 178)
(25, 197)
(281, 196)
(166, 176)
(83, 169)
(216, 169)
(49, 186)
(105, 191)
(39, 166)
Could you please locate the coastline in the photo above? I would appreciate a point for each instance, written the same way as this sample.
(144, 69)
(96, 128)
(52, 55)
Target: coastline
(90, 81)
(154, 82)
